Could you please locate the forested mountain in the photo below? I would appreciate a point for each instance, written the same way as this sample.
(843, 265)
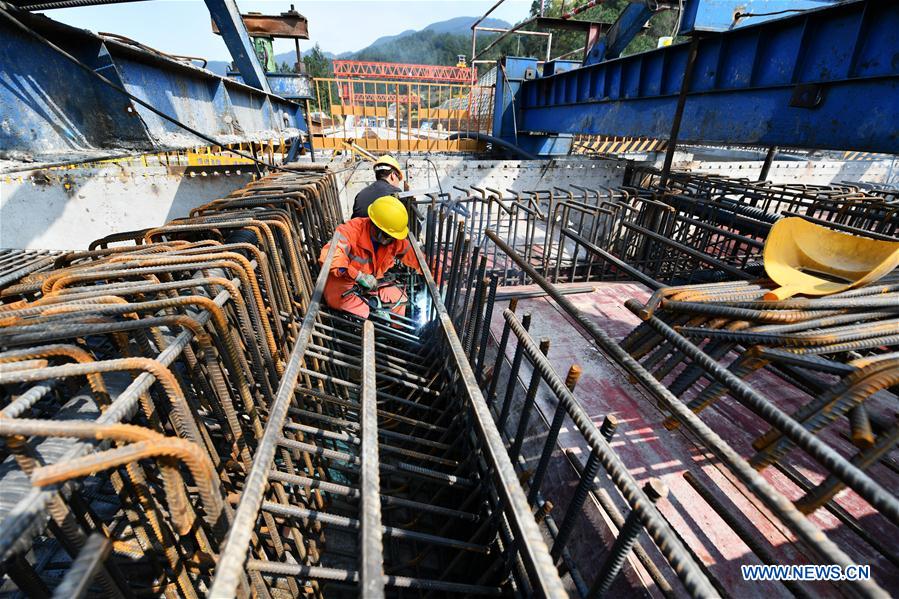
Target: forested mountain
(438, 43)
(442, 42)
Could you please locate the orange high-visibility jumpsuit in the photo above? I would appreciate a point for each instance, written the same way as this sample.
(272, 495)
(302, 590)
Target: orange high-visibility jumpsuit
(355, 253)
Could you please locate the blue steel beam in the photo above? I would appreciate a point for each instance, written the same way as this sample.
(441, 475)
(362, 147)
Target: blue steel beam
(287, 85)
(511, 73)
(695, 15)
(827, 78)
(49, 107)
(53, 112)
(625, 28)
(720, 15)
(230, 24)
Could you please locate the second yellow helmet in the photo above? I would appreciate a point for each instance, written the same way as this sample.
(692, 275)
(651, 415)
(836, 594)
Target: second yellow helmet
(388, 161)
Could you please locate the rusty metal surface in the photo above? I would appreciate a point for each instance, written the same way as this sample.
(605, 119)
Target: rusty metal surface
(136, 377)
(187, 378)
(286, 25)
(181, 416)
(650, 450)
(706, 229)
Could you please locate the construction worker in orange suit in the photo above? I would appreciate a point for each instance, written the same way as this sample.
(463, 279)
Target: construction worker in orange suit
(370, 247)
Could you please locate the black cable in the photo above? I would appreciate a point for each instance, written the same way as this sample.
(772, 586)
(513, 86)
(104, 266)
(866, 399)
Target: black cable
(502, 68)
(4, 10)
(740, 15)
(436, 173)
(521, 152)
(71, 4)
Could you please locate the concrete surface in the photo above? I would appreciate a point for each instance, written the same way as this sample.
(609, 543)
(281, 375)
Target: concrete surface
(817, 172)
(67, 209)
(460, 171)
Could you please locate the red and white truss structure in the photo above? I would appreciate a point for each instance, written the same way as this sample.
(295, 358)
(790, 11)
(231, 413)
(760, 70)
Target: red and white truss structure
(360, 69)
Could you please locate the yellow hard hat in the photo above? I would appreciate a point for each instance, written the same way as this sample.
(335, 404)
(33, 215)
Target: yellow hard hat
(388, 160)
(797, 253)
(389, 215)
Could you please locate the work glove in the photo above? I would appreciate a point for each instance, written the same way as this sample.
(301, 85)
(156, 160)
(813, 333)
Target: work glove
(382, 314)
(366, 281)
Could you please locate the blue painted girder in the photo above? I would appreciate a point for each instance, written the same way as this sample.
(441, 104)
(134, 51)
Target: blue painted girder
(827, 78)
(286, 85)
(54, 112)
(230, 24)
(629, 23)
(718, 15)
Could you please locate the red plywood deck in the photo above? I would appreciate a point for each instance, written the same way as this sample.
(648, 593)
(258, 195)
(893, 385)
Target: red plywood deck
(648, 450)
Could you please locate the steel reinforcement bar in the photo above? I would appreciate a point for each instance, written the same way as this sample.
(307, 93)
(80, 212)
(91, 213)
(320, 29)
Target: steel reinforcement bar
(810, 535)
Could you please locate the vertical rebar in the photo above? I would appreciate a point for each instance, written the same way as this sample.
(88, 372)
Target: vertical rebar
(609, 425)
(483, 329)
(455, 266)
(605, 501)
(430, 236)
(500, 354)
(574, 373)
(528, 406)
(513, 374)
(475, 318)
(470, 288)
(447, 240)
(627, 536)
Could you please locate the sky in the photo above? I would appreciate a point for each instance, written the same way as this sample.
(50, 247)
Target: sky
(183, 26)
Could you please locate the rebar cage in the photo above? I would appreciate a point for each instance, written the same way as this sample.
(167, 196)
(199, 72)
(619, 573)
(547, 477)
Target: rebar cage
(182, 416)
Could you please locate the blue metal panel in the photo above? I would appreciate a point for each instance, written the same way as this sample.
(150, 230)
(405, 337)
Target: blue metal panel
(52, 111)
(293, 87)
(629, 23)
(510, 73)
(221, 104)
(252, 111)
(48, 106)
(718, 15)
(286, 85)
(821, 79)
(230, 24)
(542, 145)
(188, 99)
(553, 67)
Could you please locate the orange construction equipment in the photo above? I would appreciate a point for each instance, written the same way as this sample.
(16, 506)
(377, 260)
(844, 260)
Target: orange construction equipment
(355, 255)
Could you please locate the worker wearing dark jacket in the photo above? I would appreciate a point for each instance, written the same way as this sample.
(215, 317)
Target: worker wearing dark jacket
(388, 178)
(370, 246)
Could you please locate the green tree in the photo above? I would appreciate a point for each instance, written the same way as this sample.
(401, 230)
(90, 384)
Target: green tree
(661, 24)
(317, 64)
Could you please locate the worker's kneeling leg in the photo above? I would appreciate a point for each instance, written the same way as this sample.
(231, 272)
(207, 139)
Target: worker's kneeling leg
(335, 287)
(393, 295)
